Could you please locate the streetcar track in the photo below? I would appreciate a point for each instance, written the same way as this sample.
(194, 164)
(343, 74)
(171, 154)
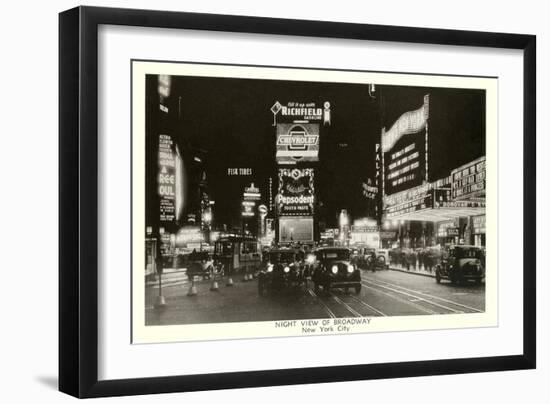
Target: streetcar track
(380, 282)
(347, 306)
(325, 306)
(399, 299)
(441, 306)
(368, 306)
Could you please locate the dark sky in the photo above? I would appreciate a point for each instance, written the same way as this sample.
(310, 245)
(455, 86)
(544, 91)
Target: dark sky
(232, 121)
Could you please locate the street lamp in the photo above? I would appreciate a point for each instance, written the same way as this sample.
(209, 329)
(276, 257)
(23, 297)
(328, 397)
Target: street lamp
(343, 219)
(344, 222)
(207, 220)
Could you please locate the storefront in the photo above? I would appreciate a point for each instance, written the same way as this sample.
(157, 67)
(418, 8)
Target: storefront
(447, 232)
(478, 230)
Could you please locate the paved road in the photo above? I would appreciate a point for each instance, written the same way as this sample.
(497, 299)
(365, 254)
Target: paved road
(384, 293)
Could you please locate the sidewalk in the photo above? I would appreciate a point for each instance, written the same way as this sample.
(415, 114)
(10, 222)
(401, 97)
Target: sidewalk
(170, 277)
(415, 271)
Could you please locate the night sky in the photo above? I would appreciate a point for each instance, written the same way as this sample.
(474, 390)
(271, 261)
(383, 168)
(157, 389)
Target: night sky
(231, 120)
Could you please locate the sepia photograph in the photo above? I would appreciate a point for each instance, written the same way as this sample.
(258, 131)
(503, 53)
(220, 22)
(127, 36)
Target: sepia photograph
(307, 202)
(300, 199)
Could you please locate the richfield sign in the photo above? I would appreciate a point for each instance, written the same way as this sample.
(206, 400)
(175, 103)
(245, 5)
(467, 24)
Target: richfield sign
(302, 112)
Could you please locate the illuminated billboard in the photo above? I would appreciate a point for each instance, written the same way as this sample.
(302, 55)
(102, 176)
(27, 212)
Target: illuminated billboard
(167, 179)
(189, 235)
(468, 181)
(295, 229)
(302, 112)
(297, 143)
(296, 192)
(405, 149)
(248, 209)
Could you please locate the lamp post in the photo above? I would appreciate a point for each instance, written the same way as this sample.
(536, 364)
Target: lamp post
(207, 220)
(344, 222)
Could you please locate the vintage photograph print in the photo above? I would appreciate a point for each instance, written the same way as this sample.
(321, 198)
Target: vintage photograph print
(274, 202)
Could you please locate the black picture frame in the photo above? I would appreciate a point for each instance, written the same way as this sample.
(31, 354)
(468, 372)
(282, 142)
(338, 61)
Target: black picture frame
(78, 200)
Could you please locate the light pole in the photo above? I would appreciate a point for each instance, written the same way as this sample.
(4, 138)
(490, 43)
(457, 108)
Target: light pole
(344, 222)
(207, 220)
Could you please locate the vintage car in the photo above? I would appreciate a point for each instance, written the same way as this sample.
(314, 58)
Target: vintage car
(363, 258)
(281, 269)
(333, 269)
(383, 257)
(374, 261)
(461, 263)
(200, 263)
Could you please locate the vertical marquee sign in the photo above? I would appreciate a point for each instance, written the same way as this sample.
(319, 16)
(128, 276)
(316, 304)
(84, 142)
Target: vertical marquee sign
(405, 151)
(167, 179)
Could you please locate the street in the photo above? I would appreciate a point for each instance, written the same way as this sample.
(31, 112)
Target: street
(384, 293)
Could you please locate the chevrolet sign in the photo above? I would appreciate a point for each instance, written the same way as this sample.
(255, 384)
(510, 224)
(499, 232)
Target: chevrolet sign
(297, 142)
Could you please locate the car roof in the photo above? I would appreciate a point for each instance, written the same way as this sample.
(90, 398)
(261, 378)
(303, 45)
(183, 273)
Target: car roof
(332, 249)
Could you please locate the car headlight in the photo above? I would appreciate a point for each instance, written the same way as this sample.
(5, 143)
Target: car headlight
(269, 267)
(350, 268)
(334, 269)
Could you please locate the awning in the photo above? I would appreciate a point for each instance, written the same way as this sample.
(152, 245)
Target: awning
(437, 214)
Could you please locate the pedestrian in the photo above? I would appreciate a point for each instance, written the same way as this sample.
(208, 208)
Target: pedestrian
(428, 261)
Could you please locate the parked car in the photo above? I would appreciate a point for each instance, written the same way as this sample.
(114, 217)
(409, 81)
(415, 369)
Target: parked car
(383, 257)
(333, 269)
(375, 261)
(461, 263)
(281, 269)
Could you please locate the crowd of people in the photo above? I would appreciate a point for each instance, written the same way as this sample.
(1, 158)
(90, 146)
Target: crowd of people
(417, 258)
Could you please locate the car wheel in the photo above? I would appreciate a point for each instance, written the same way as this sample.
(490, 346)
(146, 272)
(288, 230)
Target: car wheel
(357, 289)
(478, 281)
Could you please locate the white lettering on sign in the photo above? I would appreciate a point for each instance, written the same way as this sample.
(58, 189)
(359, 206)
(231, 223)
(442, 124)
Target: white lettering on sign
(166, 179)
(409, 122)
(296, 199)
(306, 113)
(297, 140)
(469, 180)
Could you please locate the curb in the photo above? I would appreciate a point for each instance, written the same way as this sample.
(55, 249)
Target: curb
(428, 275)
